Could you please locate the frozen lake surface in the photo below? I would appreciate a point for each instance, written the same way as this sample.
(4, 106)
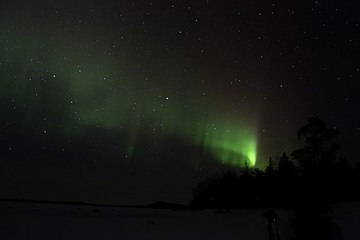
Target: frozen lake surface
(61, 221)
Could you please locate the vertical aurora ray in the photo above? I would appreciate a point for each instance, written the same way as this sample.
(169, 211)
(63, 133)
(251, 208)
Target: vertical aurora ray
(230, 144)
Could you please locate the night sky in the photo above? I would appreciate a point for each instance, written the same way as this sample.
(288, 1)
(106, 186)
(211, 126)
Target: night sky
(131, 102)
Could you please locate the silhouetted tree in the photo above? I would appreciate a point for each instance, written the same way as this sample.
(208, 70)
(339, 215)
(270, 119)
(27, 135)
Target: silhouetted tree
(320, 148)
(287, 171)
(288, 181)
(317, 186)
(270, 170)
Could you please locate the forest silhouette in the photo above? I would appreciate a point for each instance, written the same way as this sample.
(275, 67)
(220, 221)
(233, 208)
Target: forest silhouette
(309, 182)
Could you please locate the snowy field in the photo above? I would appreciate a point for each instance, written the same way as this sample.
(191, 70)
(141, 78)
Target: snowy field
(57, 221)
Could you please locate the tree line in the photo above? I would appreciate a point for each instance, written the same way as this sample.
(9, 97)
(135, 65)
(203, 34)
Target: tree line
(309, 181)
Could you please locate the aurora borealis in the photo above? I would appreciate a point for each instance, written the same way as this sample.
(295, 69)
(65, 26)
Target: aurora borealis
(92, 95)
(129, 96)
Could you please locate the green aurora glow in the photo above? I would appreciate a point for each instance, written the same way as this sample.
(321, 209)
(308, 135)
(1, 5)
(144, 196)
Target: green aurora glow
(104, 93)
(233, 146)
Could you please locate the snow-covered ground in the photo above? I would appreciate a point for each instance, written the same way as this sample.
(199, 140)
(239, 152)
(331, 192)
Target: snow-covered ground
(57, 221)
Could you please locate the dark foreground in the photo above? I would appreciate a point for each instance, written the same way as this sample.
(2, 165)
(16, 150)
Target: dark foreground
(58, 221)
